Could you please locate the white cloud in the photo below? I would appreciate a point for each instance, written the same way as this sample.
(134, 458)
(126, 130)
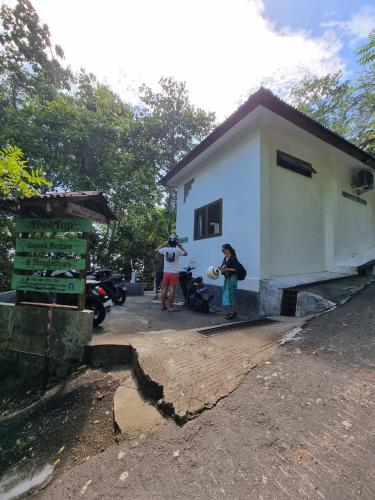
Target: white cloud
(221, 48)
(358, 27)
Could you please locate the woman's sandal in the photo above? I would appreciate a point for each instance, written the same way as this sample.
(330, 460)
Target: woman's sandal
(231, 315)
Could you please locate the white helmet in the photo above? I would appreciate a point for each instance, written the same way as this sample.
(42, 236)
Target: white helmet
(213, 272)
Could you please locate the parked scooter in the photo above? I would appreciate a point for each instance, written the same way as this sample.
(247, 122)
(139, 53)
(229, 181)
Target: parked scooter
(195, 292)
(113, 284)
(96, 298)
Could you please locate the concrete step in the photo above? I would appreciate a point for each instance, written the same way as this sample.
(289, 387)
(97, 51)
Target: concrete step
(133, 414)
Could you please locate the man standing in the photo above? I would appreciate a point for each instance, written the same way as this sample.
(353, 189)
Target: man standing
(158, 273)
(172, 251)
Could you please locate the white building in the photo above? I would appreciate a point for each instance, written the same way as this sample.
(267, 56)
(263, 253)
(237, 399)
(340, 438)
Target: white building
(293, 198)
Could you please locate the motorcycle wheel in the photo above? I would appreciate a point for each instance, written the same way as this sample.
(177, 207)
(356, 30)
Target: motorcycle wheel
(120, 297)
(99, 313)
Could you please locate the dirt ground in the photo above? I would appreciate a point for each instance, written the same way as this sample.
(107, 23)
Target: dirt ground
(302, 425)
(65, 428)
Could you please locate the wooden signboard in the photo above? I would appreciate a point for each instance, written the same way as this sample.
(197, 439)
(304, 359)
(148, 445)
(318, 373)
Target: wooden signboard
(48, 285)
(29, 225)
(51, 245)
(44, 263)
(78, 211)
(26, 263)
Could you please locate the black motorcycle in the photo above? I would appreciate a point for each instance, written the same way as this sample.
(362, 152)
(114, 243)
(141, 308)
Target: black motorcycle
(195, 292)
(113, 284)
(96, 299)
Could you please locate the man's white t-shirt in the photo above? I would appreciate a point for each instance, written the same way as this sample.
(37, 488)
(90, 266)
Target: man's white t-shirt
(171, 258)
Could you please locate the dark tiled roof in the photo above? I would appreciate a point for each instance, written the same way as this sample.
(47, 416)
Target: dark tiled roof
(264, 97)
(93, 200)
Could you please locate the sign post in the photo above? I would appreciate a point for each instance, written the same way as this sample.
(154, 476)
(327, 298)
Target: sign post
(40, 253)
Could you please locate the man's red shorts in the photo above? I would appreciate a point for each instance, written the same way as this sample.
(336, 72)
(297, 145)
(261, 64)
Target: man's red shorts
(170, 279)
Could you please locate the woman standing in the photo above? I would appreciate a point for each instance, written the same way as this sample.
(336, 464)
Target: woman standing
(229, 269)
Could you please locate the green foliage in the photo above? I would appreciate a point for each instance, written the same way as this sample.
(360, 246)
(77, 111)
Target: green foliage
(346, 107)
(366, 53)
(16, 178)
(326, 99)
(85, 137)
(365, 109)
(6, 247)
(29, 63)
(174, 124)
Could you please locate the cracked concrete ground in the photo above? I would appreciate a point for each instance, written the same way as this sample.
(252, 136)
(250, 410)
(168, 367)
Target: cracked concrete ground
(194, 371)
(300, 427)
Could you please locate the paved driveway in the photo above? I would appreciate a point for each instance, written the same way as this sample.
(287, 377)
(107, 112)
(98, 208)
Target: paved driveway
(142, 314)
(301, 426)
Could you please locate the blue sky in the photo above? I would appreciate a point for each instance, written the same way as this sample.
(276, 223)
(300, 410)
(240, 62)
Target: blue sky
(348, 18)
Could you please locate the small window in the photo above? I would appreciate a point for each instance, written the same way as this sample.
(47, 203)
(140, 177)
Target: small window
(294, 164)
(208, 221)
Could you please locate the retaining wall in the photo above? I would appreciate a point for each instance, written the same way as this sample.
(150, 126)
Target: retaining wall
(38, 344)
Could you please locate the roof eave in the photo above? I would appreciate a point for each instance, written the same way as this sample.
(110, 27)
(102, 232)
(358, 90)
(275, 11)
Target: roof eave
(266, 98)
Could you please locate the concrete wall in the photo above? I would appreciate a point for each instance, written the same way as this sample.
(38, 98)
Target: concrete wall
(233, 174)
(280, 222)
(296, 224)
(312, 227)
(41, 343)
(246, 301)
(8, 297)
(137, 288)
(353, 223)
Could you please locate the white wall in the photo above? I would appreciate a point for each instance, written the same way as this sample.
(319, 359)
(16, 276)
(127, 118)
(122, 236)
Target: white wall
(232, 174)
(296, 216)
(298, 225)
(312, 227)
(354, 224)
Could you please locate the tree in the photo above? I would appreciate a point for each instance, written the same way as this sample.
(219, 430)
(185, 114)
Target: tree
(85, 137)
(174, 125)
(346, 107)
(327, 99)
(17, 179)
(365, 111)
(29, 62)
(366, 53)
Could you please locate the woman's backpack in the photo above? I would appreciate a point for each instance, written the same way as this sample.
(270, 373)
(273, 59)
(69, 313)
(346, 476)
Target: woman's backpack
(241, 271)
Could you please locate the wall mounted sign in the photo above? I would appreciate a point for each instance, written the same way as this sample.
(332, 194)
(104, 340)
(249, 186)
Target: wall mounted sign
(354, 198)
(53, 225)
(50, 245)
(78, 211)
(44, 263)
(185, 239)
(48, 285)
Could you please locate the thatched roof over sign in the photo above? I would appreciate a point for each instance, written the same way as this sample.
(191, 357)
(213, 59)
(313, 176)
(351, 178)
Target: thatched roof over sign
(91, 204)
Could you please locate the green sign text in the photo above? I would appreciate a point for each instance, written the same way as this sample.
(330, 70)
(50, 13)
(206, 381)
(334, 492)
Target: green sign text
(51, 245)
(53, 225)
(44, 263)
(55, 285)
